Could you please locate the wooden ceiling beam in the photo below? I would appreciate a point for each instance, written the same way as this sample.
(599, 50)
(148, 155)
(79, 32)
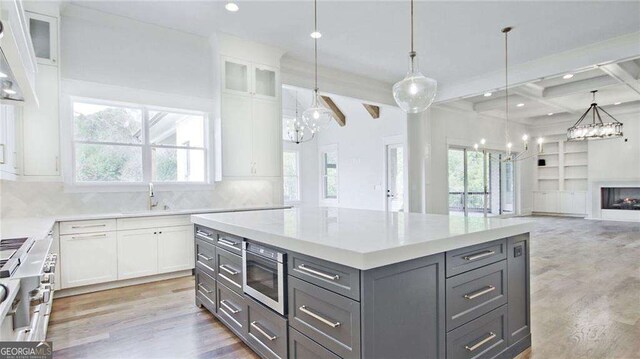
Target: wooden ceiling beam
(373, 110)
(338, 115)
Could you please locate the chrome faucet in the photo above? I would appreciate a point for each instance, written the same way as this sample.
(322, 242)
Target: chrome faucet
(151, 204)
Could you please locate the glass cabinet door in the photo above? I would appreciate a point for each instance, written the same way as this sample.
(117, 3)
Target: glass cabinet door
(236, 76)
(44, 36)
(264, 80)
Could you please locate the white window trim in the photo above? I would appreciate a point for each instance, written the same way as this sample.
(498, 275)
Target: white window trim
(68, 142)
(299, 167)
(321, 151)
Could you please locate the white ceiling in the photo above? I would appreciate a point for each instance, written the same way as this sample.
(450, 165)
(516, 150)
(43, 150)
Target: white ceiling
(455, 40)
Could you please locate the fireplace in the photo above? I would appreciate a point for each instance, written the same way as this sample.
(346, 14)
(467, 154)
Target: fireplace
(622, 198)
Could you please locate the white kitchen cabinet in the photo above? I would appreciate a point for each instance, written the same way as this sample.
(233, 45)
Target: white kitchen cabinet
(573, 202)
(8, 139)
(175, 249)
(265, 81)
(44, 36)
(137, 253)
(237, 138)
(243, 77)
(88, 258)
(546, 202)
(267, 139)
(41, 127)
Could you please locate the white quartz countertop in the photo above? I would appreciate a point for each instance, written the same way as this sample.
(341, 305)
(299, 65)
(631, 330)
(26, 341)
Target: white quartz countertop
(39, 226)
(362, 239)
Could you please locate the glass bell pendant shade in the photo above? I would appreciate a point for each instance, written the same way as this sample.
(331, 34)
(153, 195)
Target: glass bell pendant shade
(317, 116)
(416, 92)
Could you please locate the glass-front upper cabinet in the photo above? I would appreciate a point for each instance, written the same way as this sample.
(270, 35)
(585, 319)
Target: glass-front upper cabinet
(44, 36)
(246, 78)
(264, 81)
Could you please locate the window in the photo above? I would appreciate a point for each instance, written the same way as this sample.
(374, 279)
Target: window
(132, 144)
(291, 175)
(329, 171)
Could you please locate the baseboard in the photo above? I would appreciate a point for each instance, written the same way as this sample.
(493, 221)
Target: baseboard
(121, 283)
(515, 348)
(548, 214)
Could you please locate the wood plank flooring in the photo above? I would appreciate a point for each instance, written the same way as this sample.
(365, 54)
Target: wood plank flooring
(585, 285)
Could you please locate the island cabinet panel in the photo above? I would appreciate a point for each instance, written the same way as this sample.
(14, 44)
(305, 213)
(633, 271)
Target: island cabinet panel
(334, 277)
(518, 279)
(485, 337)
(468, 258)
(475, 293)
(403, 308)
(205, 290)
(326, 317)
(267, 331)
(229, 270)
(301, 347)
(232, 310)
(206, 257)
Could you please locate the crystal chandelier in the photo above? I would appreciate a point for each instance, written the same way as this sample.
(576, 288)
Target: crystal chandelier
(297, 132)
(415, 93)
(510, 156)
(317, 116)
(597, 129)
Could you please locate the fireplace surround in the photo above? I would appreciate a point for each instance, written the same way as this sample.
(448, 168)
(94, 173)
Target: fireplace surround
(620, 198)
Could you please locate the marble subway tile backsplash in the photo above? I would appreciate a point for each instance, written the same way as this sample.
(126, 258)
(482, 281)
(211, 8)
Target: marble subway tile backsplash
(33, 199)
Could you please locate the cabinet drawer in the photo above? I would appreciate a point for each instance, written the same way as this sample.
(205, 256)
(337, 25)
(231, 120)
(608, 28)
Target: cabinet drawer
(205, 234)
(335, 277)
(475, 293)
(481, 338)
(301, 347)
(153, 222)
(206, 257)
(267, 331)
(88, 258)
(229, 242)
(206, 290)
(326, 317)
(229, 269)
(232, 309)
(77, 227)
(468, 258)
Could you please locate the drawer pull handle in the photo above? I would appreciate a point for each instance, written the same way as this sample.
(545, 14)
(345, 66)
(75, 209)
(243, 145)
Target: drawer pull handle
(264, 332)
(304, 268)
(88, 226)
(102, 235)
(205, 289)
(306, 310)
(228, 269)
(481, 343)
(228, 243)
(488, 289)
(203, 234)
(473, 257)
(204, 257)
(230, 308)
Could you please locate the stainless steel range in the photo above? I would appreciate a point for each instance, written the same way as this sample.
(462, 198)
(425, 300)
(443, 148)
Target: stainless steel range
(27, 269)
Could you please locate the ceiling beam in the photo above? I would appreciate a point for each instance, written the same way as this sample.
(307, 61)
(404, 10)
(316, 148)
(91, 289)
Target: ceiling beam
(495, 104)
(573, 87)
(338, 115)
(373, 110)
(622, 75)
(535, 93)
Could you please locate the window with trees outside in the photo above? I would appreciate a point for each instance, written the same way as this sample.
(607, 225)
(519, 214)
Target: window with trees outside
(329, 163)
(291, 175)
(115, 143)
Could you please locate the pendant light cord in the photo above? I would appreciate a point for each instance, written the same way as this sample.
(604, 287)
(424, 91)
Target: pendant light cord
(506, 82)
(315, 42)
(412, 53)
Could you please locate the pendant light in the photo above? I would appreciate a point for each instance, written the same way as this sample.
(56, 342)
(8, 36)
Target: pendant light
(297, 132)
(415, 93)
(317, 116)
(597, 129)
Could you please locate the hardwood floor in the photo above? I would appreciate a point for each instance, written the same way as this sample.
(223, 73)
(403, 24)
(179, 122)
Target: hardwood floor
(585, 283)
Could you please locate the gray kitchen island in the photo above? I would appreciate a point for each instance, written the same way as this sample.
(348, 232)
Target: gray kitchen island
(347, 283)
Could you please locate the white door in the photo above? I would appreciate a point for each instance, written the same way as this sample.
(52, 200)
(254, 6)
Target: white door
(236, 76)
(88, 258)
(44, 36)
(395, 177)
(237, 158)
(175, 248)
(267, 139)
(137, 253)
(264, 81)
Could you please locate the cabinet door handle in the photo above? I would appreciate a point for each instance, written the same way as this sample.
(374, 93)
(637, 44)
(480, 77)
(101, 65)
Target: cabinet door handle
(479, 293)
(204, 257)
(228, 243)
(208, 291)
(264, 332)
(230, 308)
(481, 343)
(228, 269)
(306, 310)
(88, 226)
(304, 268)
(478, 255)
(203, 234)
(102, 235)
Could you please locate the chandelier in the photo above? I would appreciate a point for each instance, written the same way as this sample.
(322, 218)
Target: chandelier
(597, 129)
(297, 132)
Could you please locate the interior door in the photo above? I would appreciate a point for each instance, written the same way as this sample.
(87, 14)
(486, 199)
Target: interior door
(395, 178)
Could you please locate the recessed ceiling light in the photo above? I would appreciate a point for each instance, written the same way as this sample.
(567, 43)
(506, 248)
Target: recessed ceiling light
(567, 76)
(550, 114)
(617, 103)
(3, 75)
(520, 105)
(10, 91)
(487, 94)
(232, 7)
(316, 34)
